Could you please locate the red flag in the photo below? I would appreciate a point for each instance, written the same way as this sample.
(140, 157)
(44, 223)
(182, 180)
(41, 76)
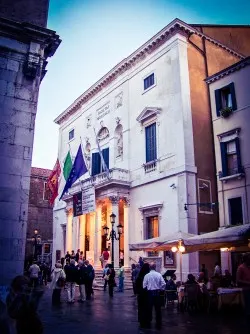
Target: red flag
(53, 182)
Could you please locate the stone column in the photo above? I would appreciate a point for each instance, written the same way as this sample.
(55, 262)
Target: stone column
(92, 237)
(69, 229)
(98, 234)
(82, 220)
(126, 232)
(24, 52)
(115, 209)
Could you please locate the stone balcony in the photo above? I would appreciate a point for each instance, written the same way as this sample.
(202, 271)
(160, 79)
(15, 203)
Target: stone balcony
(117, 177)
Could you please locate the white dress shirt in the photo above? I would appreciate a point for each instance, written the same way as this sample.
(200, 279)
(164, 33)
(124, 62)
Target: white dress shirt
(154, 281)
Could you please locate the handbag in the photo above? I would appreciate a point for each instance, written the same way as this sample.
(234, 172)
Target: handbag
(106, 277)
(60, 282)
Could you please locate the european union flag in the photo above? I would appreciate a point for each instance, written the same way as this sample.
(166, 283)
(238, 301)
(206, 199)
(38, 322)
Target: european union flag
(78, 169)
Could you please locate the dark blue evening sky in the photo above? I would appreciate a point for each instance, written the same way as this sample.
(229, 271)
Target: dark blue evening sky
(96, 35)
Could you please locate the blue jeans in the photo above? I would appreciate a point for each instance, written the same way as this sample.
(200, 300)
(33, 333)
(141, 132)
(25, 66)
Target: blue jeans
(121, 284)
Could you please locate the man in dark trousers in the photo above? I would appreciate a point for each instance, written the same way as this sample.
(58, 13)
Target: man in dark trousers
(71, 278)
(89, 279)
(154, 283)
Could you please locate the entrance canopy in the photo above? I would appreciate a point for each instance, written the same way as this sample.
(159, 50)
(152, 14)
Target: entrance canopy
(156, 243)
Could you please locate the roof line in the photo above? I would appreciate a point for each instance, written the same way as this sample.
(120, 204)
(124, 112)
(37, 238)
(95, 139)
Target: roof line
(172, 28)
(230, 69)
(220, 25)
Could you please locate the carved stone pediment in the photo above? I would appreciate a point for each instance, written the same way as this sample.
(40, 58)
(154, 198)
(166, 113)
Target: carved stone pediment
(148, 113)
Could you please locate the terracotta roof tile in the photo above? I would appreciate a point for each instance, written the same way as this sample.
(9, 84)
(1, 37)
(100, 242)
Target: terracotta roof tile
(35, 171)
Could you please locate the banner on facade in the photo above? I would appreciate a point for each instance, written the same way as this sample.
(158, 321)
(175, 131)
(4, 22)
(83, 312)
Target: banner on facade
(84, 202)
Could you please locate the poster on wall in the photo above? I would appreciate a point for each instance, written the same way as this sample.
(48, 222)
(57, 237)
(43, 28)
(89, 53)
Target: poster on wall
(84, 202)
(88, 200)
(169, 259)
(77, 204)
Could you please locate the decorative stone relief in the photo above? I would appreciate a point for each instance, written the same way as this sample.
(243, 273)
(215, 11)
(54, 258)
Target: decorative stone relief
(103, 133)
(114, 199)
(126, 201)
(88, 121)
(87, 150)
(119, 141)
(118, 100)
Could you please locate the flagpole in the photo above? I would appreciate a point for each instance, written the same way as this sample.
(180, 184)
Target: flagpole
(70, 153)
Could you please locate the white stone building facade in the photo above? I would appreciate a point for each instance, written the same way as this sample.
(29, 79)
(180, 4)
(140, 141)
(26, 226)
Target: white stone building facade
(143, 118)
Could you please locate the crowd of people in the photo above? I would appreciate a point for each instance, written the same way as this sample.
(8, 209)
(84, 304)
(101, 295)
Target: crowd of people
(148, 285)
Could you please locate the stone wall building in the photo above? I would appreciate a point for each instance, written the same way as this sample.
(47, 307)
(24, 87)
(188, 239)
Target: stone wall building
(152, 116)
(230, 101)
(25, 45)
(40, 215)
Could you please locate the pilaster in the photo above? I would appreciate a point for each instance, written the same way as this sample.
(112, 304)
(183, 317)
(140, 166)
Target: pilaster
(126, 231)
(82, 221)
(114, 200)
(69, 231)
(98, 234)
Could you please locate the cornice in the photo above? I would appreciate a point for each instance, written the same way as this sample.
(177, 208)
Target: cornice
(27, 32)
(174, 27)
(231, 69)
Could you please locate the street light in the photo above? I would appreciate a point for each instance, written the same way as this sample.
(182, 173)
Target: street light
(36, 239)
(179, 249)
(112, 236)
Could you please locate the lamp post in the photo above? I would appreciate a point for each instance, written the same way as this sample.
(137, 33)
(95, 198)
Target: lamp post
(112, 236)
(179, 249)
(36, 239)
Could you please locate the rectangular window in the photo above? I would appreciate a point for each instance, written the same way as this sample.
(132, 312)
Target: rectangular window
(150, 132)
(71, 134)
(152, 231)
(225, 98)
(149, 81)
(235, 211)
(96, 165)
(47, 248)
(46, 191)
(230, 157)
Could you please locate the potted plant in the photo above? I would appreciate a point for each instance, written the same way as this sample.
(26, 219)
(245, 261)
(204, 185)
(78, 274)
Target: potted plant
(226, 112)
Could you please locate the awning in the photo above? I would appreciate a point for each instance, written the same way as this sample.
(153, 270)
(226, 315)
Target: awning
(155, 243)
(226, 237)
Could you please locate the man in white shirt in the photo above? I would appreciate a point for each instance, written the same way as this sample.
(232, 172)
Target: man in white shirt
(154, 283)
(34, 271)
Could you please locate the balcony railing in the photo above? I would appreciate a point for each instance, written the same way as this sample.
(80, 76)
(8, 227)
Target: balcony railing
(150, 166)
(115, 175)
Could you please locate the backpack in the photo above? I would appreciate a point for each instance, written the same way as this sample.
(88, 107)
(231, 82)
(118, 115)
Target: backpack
(60, 282)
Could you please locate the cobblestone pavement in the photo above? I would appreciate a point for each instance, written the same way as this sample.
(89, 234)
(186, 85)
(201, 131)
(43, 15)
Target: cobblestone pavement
(103, 315)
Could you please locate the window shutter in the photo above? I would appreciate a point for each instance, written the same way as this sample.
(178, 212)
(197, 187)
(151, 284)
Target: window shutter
(218, 103)
(237, 144)
(154, 153)
(147, 129)
(96, 164)
(151, 153)
(105, 154)
(223, 148)
(232, 91)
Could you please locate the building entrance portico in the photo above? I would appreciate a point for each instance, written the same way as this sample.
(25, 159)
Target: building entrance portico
(86, 232)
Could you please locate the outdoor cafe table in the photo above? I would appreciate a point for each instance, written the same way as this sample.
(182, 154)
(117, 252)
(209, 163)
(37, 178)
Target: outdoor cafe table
(229, 297)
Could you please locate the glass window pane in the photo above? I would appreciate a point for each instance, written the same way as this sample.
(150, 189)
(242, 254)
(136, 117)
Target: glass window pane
(231, 147)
